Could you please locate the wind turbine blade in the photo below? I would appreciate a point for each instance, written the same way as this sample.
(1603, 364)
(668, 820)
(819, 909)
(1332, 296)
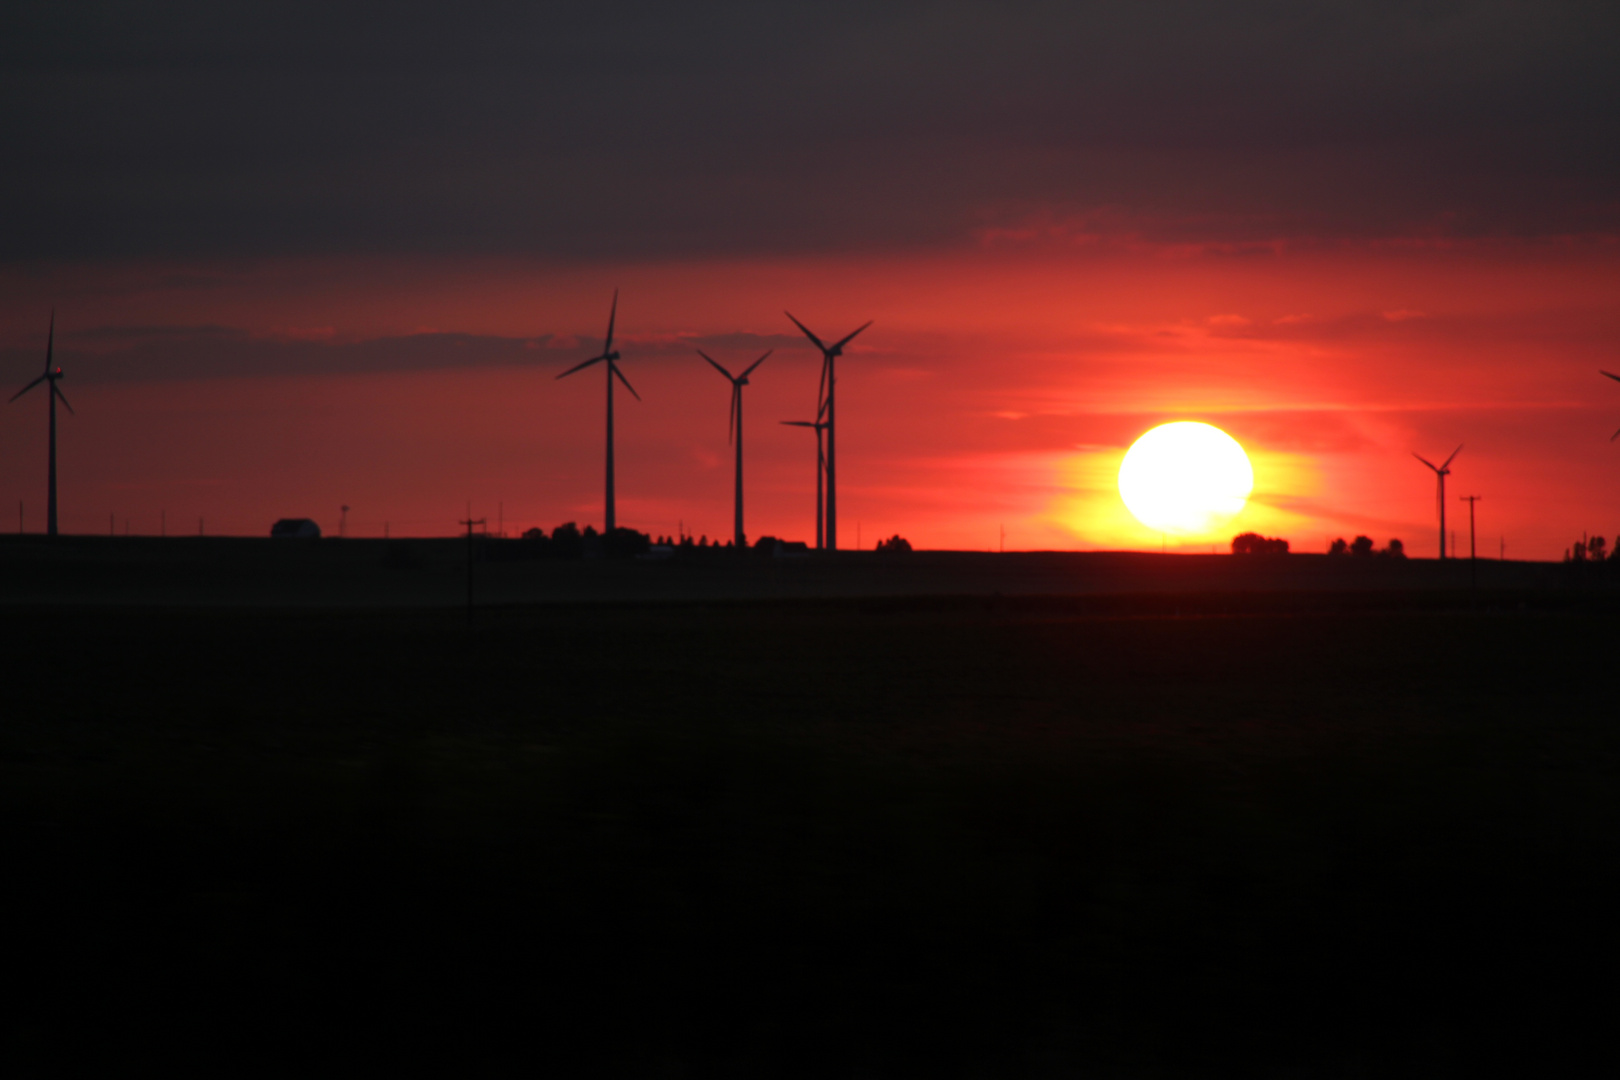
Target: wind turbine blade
(27, 388)
(756, 364)
(582, 366)
(57, 390)
(1454, 453)
(1615, 436)
(821, 391)
(797, 423)
(806, 330)
(716, 364)
(1610, 374)
(731, 413)
(1427, 462)
(613, 314)
(615, 369)
(851, 337)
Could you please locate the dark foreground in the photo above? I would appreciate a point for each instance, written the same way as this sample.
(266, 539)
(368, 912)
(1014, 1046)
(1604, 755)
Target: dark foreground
(876, 838)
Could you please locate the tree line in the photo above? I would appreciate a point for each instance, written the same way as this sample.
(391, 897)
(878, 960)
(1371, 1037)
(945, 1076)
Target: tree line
(1362, 547)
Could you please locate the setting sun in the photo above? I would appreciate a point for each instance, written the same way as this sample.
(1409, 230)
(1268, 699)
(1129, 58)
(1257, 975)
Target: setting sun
(1185, 478)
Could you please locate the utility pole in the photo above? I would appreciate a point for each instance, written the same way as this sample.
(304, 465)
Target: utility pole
(1473, 554)
(469, 522)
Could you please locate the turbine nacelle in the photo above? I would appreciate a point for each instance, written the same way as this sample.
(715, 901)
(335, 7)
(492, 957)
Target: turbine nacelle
(608, 354)
(49, 378)
(1444, 468)
(737, 383)
(836, 349)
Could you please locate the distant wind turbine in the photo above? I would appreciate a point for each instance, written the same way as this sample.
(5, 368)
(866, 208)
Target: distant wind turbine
(821, 467)
(49, 378)
(829, 384)
(607, 354)
(735, 433)
(1440, 473)
(1616, 378)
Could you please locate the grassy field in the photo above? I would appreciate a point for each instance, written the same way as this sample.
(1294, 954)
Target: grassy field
(874, 838)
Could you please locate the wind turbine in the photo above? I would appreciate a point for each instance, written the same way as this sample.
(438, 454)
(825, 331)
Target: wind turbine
(821, 467)
(49, 378)
(735, 433)
(612, 359)
(1440, 474)
(1616, 378)
(829, 384)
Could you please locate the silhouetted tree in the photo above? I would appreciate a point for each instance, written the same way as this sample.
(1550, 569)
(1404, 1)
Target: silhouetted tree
(1594, 549)
(1361, 546)
(894, 545)
(566, 542)
(1396, 550)
(1338, 547)
(1254, 544)
(623, 543)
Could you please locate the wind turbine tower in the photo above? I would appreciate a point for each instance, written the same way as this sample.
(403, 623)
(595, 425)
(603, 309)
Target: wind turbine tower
(829, 383)
(821, 467)
(735, 434)
(49, 378)
(611, 358)
(1440, 473)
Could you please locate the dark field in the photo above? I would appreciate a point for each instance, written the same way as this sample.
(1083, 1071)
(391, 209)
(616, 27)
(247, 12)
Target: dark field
(851, 838)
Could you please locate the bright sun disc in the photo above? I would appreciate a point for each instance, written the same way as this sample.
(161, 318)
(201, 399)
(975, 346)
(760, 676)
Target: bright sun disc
(1185, 478)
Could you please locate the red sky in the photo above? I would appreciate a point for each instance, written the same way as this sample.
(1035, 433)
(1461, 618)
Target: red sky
(303, 257)
(999, 387)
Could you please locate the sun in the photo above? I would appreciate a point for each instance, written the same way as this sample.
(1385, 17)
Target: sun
(1185, 478)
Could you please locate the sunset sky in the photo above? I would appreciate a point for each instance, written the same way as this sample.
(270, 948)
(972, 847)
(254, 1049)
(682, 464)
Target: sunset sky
(330, 255)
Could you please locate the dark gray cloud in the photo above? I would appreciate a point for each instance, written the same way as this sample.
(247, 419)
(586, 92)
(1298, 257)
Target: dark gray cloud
(624, 130)
(111, 354)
